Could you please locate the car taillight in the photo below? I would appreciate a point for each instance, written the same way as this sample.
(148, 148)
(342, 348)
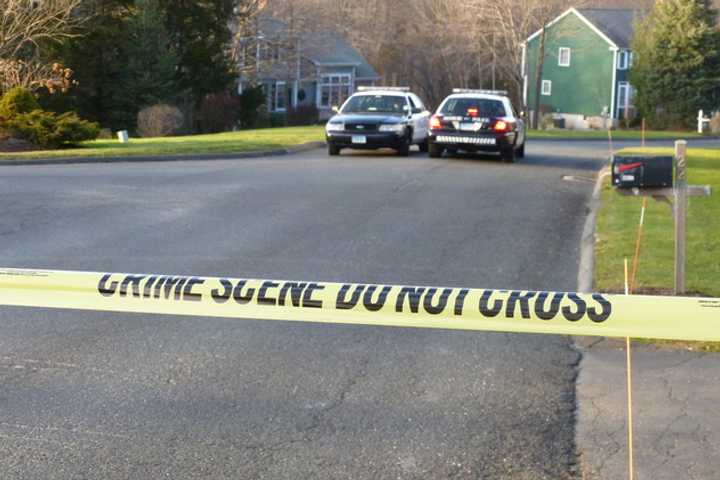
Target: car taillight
(501, 126)
(435, 123)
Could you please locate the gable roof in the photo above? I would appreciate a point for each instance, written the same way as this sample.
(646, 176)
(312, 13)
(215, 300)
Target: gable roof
(322, 48)
(616, 26)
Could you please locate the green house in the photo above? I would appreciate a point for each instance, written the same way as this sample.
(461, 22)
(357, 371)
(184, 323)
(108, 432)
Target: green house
(586, 67)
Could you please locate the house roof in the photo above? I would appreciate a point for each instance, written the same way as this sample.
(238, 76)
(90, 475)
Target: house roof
(618, 24)
(324, 48)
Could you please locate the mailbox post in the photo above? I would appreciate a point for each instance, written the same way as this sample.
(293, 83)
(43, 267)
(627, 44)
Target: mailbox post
(654, 177)
(681, 207)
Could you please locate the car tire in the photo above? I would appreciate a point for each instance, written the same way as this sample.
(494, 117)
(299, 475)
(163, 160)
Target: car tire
(508, 155)
(404, 148)
(424, 146)
(521, 151)
(435, 150)
(333, 150)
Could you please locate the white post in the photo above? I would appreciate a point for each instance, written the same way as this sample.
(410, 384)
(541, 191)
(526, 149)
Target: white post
(701, 121)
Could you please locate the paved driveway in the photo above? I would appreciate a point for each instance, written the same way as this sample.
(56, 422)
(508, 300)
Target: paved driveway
(100, 395)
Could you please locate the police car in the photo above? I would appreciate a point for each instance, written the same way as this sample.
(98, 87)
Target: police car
(379, 117)
(477, 121)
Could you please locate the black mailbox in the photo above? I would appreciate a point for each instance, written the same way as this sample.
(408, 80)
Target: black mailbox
(642, 172)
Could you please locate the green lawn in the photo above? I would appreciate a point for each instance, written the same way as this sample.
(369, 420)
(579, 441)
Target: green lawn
(617, 134)
(617, 229)
(232, 142)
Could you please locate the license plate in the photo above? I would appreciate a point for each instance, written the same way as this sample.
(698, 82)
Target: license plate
(468, 127)
(359, 139)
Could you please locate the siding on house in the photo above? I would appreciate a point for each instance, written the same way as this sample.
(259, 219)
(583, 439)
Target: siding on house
(593, 85)
(583, 88)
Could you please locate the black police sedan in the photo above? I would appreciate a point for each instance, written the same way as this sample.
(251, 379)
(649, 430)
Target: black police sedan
(477, 121)
(379, 117)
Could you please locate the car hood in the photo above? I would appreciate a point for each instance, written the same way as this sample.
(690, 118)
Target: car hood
(356, 118)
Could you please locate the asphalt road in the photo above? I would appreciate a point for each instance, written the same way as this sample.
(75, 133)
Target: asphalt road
(98, 395)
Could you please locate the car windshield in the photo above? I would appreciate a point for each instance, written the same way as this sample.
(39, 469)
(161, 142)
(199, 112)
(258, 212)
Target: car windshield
(375, 104)
(473, 107)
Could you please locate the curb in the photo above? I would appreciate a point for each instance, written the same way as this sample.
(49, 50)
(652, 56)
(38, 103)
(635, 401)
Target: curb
(304, 147)
(615, 140)
(587, 242)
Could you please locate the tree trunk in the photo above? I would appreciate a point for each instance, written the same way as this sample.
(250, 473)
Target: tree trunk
(538, 80)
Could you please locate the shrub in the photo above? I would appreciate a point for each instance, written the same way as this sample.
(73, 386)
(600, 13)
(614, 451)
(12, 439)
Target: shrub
(159, 121)
(50, 130)
(218, 112)
(252, 106)
(715, 123)
(303, 115)
(547, 122)
(17, 101)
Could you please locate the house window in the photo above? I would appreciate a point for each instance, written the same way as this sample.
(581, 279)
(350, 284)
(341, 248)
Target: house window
(276, 94)
(334, 90)
(625, 99)
(623, 60)
(564, 57)
(546, 87)
(280, 97)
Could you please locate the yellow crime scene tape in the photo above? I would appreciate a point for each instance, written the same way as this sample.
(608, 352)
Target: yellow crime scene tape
(674, 318)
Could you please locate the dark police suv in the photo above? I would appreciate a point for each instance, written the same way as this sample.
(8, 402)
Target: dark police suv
(477, 121)
(379, 117)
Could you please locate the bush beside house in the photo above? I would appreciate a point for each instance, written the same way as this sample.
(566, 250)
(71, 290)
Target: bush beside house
(159, 121)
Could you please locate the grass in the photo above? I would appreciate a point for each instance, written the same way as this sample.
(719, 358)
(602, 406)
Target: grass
(617, 230)
(232, 142)
(617, 135)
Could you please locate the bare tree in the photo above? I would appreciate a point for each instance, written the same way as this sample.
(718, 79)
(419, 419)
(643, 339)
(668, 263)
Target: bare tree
(27, 25)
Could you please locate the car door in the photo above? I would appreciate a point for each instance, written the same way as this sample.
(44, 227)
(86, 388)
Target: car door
(420, 119)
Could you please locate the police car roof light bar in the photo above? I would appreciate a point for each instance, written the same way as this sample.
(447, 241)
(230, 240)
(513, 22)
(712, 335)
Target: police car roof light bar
(501, 93)
(380, 89)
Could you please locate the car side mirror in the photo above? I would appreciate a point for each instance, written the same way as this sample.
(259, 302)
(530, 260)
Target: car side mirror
(335, 109)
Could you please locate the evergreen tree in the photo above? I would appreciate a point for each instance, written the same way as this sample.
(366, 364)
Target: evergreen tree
(149, 74)
(97, 56)
(200, 33)
(677, 61)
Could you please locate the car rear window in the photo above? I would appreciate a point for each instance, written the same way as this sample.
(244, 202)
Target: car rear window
(473, 107)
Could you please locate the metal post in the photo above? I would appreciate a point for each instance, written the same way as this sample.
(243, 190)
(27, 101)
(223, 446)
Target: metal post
(681, 206)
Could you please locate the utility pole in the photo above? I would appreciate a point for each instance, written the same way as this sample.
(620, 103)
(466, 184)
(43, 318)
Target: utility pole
(494, 63)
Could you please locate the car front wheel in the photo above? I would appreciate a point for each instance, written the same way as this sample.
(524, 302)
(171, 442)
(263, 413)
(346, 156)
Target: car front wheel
(333, 150)
(404, 148)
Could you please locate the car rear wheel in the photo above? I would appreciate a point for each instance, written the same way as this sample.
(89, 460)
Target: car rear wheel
(333, 150)
(435, 150)
(424, 146)
(508, 155)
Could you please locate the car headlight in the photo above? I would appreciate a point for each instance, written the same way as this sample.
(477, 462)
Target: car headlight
(335, 127)
(394, 127)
